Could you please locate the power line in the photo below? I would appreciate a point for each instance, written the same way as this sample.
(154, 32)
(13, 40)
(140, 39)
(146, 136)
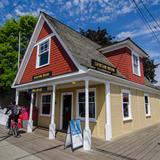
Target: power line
(150, 13)
(145, 21)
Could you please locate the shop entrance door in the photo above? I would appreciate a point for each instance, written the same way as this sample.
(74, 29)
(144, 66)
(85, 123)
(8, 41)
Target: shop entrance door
(66, 110)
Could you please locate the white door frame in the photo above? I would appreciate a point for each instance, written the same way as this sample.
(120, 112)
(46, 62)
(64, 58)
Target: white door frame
(61, 107)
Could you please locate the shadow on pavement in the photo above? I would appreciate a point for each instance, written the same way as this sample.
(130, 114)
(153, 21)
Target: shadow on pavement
(4, 138)
(114, 154)
(40, 152)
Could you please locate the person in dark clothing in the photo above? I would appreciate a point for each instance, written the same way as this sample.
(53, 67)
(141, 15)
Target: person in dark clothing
(15, 111)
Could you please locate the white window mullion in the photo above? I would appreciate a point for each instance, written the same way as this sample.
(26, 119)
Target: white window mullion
(147, 105)
(126, 104)
(136, 64)
(91, 103)
(40, 52)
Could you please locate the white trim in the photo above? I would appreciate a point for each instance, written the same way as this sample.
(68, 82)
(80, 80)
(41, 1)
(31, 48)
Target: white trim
(61, 107)
(29, 50)
(149, 108)
(49, 52)
(129, 105)
(17, 97)
(77, 76)
(70, 77)
(139, 66)
(44, 39)
(63, 44)
(77, 106)
(122, 82)
(41, 114)
(108, 114)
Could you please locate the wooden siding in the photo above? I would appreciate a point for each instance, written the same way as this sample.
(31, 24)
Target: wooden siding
(44, 31)
(119, 127)
(122, 59)
(60, 63)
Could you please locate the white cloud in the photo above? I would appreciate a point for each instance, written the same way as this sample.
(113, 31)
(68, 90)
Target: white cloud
(68, 5)
(8, 16)
(3, 3)
(140, 30)
(102, 19)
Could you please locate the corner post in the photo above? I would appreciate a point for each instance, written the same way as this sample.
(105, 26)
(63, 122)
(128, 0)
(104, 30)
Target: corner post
(30, 121)
(87, 131)
(108, 123)
(52, 126)
(17, 97)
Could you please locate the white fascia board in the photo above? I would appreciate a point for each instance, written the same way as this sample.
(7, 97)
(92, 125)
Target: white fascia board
(29, 50)
(76, 76)
(123, 44)
(64, 46)
(122, 82)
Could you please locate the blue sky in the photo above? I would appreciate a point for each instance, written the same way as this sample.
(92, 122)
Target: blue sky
(119, 17)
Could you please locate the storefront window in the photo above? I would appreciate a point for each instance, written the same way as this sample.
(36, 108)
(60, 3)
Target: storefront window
(81, 104)
(126, 104)
(46, 104)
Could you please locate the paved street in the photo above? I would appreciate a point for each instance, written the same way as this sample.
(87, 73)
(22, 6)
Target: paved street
(141, 145)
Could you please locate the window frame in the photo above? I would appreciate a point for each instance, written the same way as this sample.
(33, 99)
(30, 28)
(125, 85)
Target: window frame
(129, 105)
(41, 114)
(38, 53)
(139, 68)
(149, 108)
(77, 104)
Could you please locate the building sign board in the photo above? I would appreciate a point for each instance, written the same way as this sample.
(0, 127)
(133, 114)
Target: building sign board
(74, 135)
(42, 76)
(99, 65)
(41, 89)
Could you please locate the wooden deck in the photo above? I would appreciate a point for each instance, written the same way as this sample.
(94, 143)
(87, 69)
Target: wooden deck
(141, 145)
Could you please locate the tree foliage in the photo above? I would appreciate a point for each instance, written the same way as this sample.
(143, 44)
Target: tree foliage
(100, 36)
(149, 69)
(9, 47)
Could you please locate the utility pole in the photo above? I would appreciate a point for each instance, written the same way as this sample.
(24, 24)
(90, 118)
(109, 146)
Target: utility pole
(19, 48)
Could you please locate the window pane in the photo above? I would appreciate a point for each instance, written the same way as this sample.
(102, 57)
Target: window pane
(146, 99)
(125, 97)
(91, 97)
(46, 109)
(44, 46)
(91, 110)
(46, 98)
(81, 101)
(43, 58)
(82, 97)
(82, 109)
(146, 107)
(125, 110)
(136, 69)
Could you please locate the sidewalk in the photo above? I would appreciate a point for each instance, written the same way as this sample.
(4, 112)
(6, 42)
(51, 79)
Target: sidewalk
(34, 146)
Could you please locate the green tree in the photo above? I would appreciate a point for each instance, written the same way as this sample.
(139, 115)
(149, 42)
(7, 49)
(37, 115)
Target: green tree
(149, 69)
(9, 47)
(102, 37)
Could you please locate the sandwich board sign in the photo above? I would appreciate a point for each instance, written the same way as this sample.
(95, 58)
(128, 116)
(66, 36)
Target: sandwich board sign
(74, 135)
